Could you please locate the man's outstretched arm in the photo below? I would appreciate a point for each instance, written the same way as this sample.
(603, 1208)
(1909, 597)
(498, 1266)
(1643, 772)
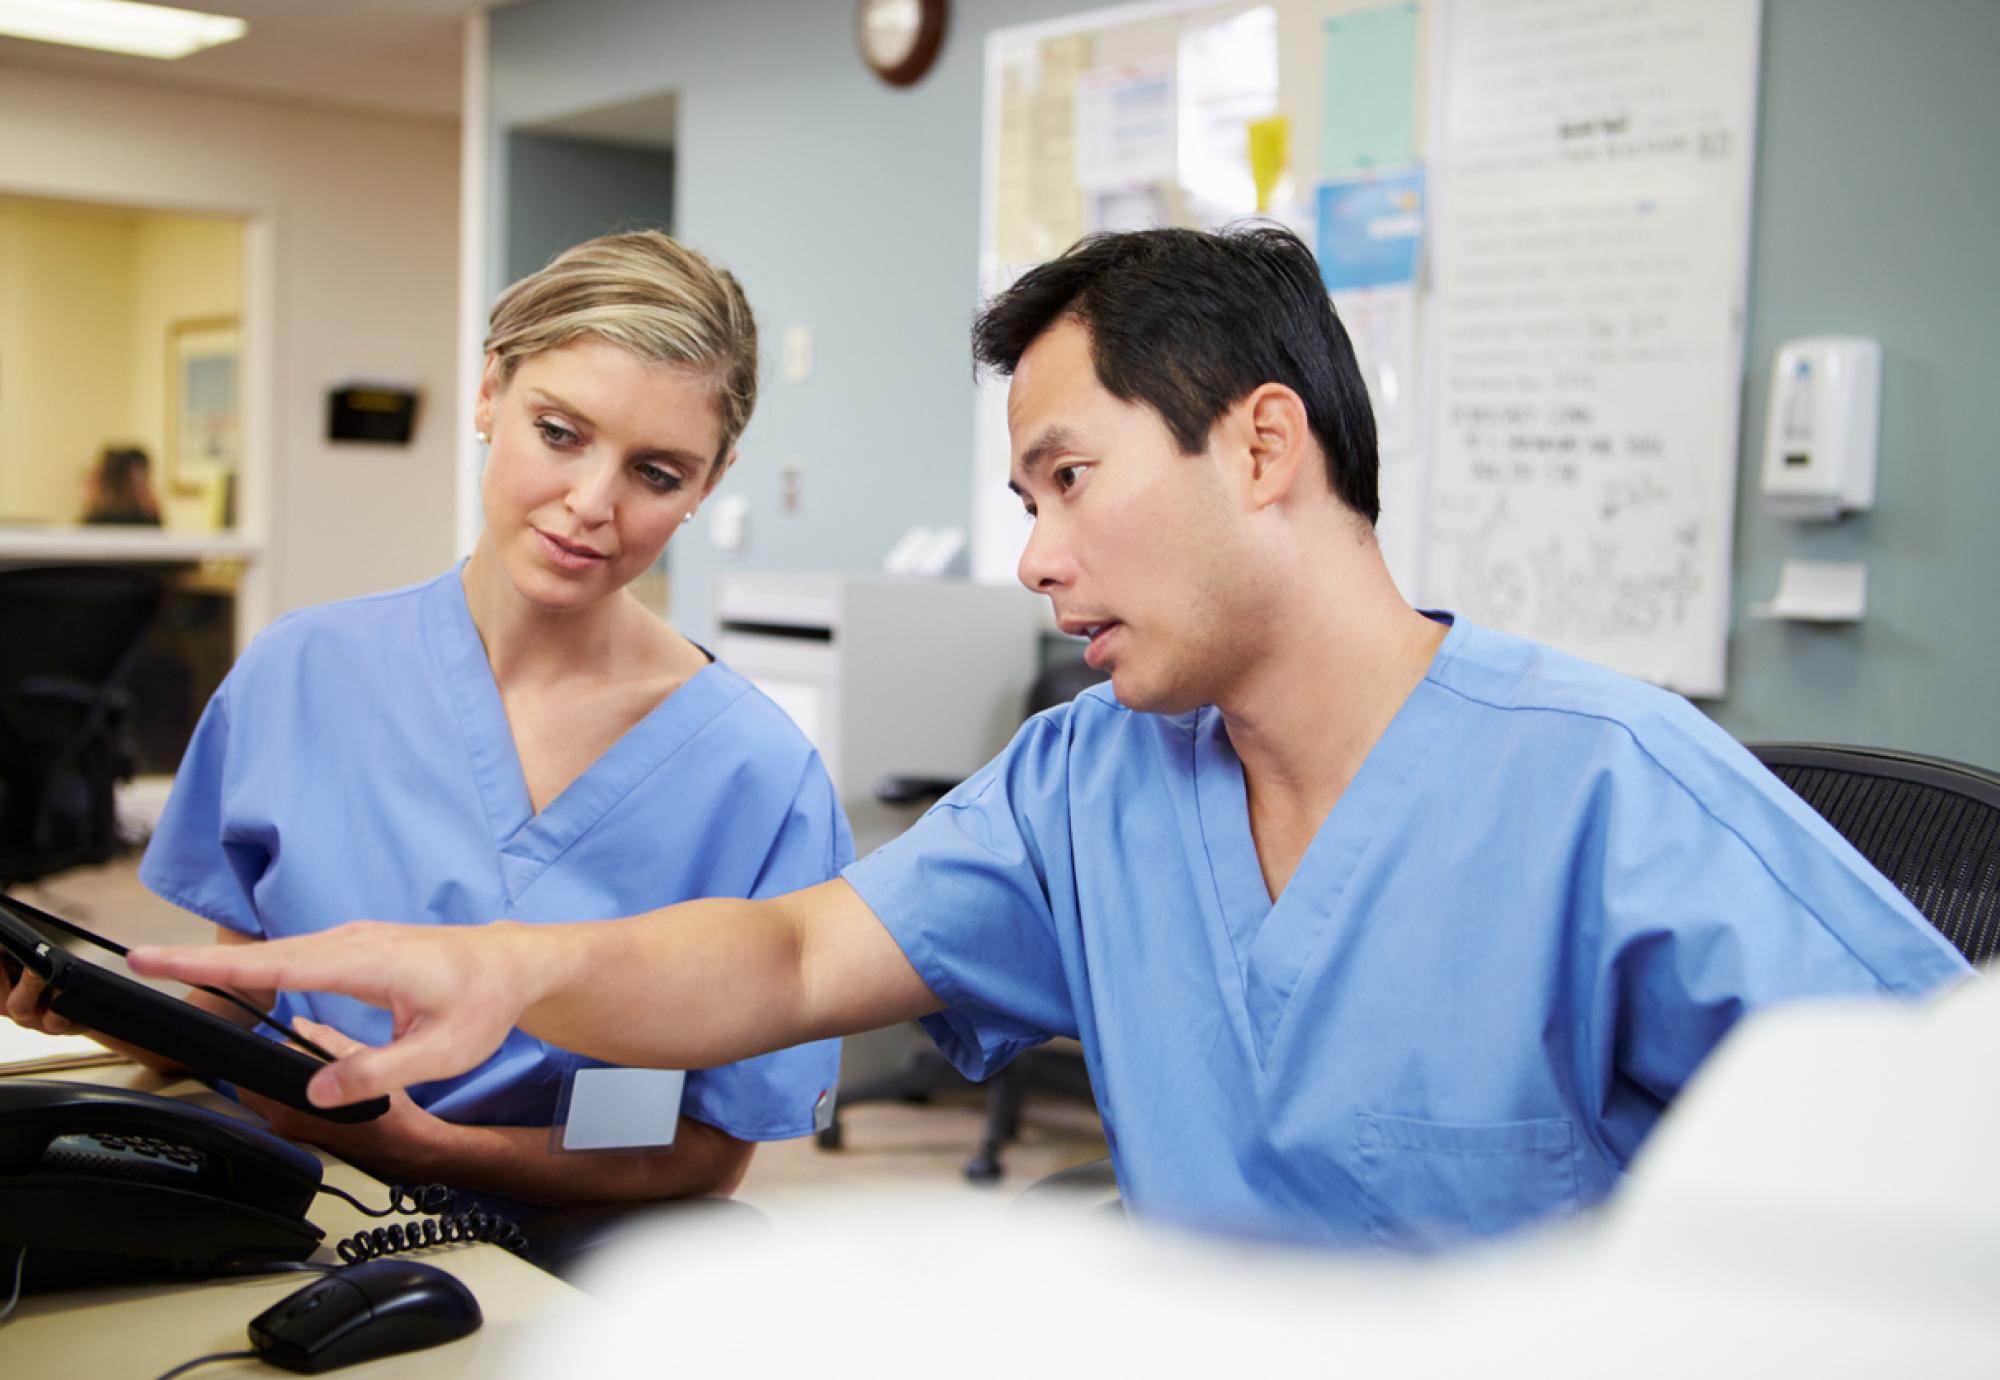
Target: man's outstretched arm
(689, 986)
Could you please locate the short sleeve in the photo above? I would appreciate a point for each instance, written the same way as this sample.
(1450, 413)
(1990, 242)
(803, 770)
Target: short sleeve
(773, 1096)
(192, 860)
(812, 844)
(972, 894)
(1699, 927)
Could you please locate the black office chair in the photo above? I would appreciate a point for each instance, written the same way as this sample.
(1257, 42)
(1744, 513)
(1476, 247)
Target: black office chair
(69, 638)
(926, 1071)
(1930, 826)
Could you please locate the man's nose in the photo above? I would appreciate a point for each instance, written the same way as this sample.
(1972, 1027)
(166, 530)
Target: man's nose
(1045, 563)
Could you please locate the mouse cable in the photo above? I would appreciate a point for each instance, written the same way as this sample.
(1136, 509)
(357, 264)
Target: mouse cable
(184, 1367)
(20, 1264)
(438, 1224)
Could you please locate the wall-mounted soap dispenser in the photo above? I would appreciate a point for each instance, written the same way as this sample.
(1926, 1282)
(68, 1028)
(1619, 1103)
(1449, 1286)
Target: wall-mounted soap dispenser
(1820, 437)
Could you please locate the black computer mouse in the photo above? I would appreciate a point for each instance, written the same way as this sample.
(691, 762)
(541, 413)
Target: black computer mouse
(377, 1308)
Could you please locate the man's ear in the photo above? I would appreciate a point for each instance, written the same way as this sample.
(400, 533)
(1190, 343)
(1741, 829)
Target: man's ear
(1279, 439)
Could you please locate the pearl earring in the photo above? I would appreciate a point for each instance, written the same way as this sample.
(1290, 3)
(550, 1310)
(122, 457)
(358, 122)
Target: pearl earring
(688, 517)
(481, 437)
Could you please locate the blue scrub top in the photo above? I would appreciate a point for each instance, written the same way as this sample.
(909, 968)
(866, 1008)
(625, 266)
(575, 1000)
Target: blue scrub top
(1547, 894)
(357, 764)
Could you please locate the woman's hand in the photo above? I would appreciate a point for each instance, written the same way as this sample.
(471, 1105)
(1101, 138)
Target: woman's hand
(452, 992)
(25, 997)
(405, 1143)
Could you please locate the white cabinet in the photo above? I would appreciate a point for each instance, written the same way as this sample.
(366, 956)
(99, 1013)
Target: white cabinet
(887, 676)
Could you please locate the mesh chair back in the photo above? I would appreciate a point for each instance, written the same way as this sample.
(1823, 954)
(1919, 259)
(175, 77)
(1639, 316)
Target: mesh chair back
(76, 623)
(1930, 826)
(69, 638)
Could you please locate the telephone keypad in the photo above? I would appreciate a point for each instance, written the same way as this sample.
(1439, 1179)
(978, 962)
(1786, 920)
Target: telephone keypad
(137, 1157)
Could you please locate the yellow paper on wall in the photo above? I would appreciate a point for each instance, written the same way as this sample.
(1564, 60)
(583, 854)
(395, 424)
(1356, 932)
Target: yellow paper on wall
(1270, 140)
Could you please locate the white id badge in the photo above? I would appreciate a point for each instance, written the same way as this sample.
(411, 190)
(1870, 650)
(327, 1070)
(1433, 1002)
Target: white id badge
(618, 1109)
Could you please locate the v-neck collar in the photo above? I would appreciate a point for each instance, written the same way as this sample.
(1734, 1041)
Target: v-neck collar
(526, 842)
(1273, 940)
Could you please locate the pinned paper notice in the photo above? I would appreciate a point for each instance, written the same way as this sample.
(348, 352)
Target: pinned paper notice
(1270, 141)
(1369, 81)
(1227, 77)
(1818, 592)
(1125, 126)
(1370, 231)
(1381, 324)
(32, 1051)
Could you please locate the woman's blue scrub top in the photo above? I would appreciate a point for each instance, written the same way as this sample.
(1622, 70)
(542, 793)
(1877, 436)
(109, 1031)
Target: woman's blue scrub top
(1547, 894)
(357, 764)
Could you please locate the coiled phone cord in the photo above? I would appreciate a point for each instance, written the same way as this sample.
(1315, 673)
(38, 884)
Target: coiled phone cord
(439, 1224)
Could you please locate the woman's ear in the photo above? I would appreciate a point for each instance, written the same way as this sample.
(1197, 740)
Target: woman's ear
(490, 388)
(717, 470)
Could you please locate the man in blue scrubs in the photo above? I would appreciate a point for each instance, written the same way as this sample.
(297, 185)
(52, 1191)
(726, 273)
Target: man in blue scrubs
(1376, 927)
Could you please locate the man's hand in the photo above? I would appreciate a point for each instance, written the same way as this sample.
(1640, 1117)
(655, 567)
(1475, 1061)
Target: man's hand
(406, 1143)
(452, 992)
(690, 986)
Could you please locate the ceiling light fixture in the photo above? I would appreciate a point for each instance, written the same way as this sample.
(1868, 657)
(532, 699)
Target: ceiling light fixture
(116, 26)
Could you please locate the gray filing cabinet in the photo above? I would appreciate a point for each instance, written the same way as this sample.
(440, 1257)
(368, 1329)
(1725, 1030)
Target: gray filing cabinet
(887, 675)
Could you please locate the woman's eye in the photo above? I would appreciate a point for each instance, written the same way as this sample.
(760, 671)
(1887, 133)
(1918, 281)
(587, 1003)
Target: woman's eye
(663, 480)
(555, 433)
(1066, 475)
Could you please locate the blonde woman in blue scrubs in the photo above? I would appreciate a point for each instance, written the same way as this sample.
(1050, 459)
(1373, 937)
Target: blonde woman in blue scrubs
(520, 737)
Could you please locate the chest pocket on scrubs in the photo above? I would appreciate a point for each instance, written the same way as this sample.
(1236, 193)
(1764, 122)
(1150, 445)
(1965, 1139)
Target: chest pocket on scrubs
(1435, 1183)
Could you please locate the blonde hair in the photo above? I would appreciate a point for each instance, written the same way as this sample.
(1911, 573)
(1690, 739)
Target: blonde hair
(640, 290)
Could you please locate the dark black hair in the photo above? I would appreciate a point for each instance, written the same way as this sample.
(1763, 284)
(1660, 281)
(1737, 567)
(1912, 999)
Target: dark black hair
(1189, 323)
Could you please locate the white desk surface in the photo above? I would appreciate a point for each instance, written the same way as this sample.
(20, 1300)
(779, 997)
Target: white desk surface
(113, 543)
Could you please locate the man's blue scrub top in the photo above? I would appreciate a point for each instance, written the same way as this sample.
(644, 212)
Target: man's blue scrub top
(1546, 895)
(357, 764)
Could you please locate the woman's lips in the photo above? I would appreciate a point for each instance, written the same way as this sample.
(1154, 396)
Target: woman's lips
(567, 557)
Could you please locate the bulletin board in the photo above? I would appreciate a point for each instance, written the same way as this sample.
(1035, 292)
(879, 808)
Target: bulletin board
(1533, 218)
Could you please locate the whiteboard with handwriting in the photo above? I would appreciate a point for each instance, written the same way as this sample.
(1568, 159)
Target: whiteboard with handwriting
(1592, 242)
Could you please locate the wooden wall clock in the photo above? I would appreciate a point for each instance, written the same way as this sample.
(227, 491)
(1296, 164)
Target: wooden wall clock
(899, 39)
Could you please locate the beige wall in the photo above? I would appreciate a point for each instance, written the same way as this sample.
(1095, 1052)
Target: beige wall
(185, 268)
(65, 352)
(87, 294)
(350, 270)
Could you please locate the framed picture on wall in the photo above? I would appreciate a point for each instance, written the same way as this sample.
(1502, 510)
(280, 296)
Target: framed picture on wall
(204, 404)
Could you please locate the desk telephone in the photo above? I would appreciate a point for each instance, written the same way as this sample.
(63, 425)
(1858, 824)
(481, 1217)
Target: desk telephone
(103, 1183)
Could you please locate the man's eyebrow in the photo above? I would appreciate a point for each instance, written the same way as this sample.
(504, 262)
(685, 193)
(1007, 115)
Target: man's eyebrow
(1054, 441)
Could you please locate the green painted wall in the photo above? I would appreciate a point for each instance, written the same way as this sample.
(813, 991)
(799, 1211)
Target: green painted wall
(1878, 187)
(562, 191)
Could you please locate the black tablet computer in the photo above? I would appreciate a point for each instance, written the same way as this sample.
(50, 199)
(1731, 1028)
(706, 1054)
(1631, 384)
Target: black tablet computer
(115, 1002)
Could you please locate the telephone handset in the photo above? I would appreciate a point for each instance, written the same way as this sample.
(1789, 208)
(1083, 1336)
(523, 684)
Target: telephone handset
(100, 1183)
